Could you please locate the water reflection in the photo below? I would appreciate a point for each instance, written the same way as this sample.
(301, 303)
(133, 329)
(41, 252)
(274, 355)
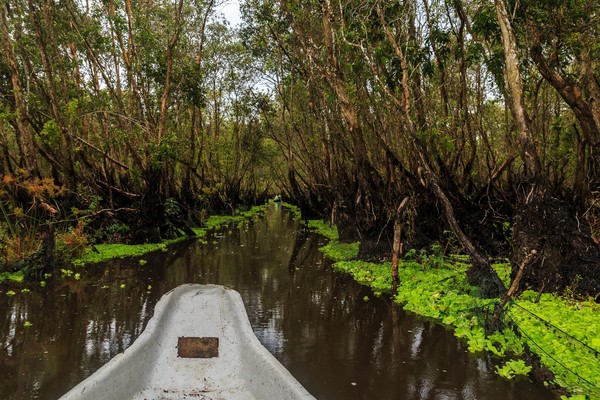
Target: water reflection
(314, 321)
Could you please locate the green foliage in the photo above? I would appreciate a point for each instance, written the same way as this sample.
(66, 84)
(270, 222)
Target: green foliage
(114, 233)
(504, 342)
(293, 209)
(576, 397)
(579, 319)
(435, 286)
(376, 276)
(50, 134)
(172, 208)
(513, 368)
(105, 252)
(323, 228)
(12, 276)
(503, 270)
(218, 221)
(340, 251)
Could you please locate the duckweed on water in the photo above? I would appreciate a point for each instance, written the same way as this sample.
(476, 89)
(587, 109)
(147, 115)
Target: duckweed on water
(340, 251)
(12, 276)
(436, 287)
(329, 231)
(296, 213)
(105, 252)
(576, 319)
(218, 221)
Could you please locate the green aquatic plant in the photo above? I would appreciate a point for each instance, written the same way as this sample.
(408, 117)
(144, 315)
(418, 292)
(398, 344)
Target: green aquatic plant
(323, 228)
(435, 286)
(576, 397)
(565, 335)
(340, 251)
(12, 276)
(66, 272)
(104, 252)
(219, 221)
(513, 368)
(503, 270)
(296, 213)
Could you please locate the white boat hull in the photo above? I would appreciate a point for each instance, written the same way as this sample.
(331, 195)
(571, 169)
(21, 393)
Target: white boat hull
(152, 368)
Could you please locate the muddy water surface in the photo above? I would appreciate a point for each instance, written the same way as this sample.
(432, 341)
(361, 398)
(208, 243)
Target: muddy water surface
(316, 322)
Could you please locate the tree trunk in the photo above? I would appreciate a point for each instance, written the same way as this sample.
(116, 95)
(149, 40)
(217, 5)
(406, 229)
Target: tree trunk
(481, 274)
(397, 244)
(24, 137)
(164, 101)
(515, 93)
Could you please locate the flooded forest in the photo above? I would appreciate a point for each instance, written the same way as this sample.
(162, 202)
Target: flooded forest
(420, 130)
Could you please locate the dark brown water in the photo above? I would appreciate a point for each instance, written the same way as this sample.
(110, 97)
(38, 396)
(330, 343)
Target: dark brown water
(316, 322)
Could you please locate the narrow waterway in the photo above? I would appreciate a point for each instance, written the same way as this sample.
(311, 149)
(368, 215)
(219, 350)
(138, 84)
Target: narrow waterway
(319, 324)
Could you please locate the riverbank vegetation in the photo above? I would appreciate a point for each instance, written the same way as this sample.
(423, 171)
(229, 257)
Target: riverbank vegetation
(558, 336)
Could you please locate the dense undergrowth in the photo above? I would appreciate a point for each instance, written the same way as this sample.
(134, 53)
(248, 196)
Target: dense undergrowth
(563, 333)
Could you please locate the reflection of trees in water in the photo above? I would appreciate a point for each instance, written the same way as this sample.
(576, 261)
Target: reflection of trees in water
(314, 320)
(76, 327)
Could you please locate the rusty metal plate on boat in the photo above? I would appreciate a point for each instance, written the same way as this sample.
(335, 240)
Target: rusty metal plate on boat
(198, 347)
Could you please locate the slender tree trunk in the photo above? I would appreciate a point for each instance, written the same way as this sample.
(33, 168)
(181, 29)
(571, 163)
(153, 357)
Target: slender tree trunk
(164, 101)
(24, 136)
(515, 93)
(481, 274)
(397, 244)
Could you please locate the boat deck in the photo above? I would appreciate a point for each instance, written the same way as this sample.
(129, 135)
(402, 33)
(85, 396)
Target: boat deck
(198, 345)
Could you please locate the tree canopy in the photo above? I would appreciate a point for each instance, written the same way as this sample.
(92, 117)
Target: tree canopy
(485, 115)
